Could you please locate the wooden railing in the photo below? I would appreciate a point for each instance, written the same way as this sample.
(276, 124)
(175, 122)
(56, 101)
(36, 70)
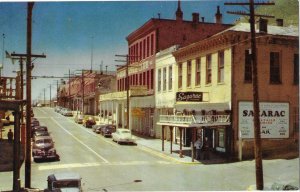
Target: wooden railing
(197, 119)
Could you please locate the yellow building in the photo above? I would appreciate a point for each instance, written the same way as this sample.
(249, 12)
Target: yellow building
(214, 91)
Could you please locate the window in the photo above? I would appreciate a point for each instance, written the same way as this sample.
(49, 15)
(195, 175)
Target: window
(148, 79)
(165, 79)
(221, 67)
(141, 79)
(152, 78)
(159, 80)
(180, 75)
(189, 73)
(208, 69)
(152, 44)
(198, 72)
(248, 67)
(296, 69)
(170, 77)
(144, 78)
(275, 68)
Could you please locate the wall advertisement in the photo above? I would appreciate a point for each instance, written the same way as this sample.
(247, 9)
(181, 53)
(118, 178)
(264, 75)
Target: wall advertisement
(274, 120)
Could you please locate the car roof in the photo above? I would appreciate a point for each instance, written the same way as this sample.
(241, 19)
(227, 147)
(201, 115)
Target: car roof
(43, 137)
(122, 129)
(65, 176)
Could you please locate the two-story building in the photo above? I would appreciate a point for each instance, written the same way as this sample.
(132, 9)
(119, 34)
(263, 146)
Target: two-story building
(214, 90)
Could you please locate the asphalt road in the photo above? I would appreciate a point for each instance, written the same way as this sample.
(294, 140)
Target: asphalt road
(107, 166)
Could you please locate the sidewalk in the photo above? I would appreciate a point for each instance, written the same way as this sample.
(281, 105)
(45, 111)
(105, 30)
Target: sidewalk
(154, 146)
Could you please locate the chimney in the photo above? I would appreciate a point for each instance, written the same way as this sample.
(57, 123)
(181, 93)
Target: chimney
(279, 22)
(179, 13)
(263, 25)
(202, 18)
(195, 17)
(218, 16)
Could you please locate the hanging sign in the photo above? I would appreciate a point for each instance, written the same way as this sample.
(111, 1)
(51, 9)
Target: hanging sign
(189, 96)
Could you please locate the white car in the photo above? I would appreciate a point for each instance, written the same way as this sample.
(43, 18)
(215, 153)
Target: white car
(123, 136)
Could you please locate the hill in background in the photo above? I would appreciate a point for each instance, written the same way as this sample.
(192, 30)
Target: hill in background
(288, 10)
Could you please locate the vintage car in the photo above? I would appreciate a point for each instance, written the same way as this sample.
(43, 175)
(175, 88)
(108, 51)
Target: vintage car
(64, 182)
(123, 136)
(88, 121)
(43, 148)
(107, 130)
(78, 118)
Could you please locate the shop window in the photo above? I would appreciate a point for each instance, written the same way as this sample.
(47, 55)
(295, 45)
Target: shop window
(208, 69)
(189, 73)
(221, 67)
(159, 80)
(275, 76)
(164, 79)
(221, 138)
(180, 75)
(170, 77)
(248, 67)
(296, 69)
(198, 72)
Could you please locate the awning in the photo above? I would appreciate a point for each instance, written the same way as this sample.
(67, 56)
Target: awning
(180, 106)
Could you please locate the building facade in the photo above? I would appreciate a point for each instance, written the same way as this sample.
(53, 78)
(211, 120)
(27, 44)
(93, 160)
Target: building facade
(155, 35)
(214, 93)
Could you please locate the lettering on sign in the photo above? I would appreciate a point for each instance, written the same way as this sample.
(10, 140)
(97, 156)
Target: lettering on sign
(189, 96)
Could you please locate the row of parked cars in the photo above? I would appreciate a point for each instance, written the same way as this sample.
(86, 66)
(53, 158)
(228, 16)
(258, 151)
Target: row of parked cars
(43, 144)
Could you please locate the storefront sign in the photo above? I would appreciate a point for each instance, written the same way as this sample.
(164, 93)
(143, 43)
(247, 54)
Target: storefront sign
(189, 96)
(274, 120)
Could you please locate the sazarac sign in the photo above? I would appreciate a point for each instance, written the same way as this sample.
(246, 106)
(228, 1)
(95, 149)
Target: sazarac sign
(274, 120)
(189, 96)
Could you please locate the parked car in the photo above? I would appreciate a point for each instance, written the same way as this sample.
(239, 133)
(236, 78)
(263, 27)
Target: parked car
(107, 130)
(88, 121)
(57, 108)
(64, 182)
(78, 118)
(38, 128)
(40, 133)
(97, 128)
(67, 112)
(43, 148)
(123, 136)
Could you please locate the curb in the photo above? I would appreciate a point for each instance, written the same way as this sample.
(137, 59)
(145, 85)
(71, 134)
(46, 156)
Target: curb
(162, 155)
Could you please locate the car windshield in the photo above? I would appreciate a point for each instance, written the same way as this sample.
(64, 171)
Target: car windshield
(66, 184)
(43, 141)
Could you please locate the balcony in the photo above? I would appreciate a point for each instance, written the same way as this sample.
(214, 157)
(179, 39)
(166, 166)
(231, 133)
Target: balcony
(194, 120)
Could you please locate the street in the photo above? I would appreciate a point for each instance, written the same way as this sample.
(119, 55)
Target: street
(107, 166)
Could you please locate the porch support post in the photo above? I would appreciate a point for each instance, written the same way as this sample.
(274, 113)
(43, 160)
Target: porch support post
(162, 137)
(193, 142)
(180, 140)
(171, 139)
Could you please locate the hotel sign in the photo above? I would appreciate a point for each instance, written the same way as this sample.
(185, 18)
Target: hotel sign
(189, 96)
(274, 120)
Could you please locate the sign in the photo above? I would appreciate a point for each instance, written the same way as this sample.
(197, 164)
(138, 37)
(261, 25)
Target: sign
(189, 96)
(274, 120)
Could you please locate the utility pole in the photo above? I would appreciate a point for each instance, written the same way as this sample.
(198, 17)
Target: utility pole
(82, 84)
(57, 88)
(126, 84)
(50, 96)
(257, 136)
(2, 64)
(69, 103)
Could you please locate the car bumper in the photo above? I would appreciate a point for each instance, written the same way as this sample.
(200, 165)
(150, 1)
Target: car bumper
(126, 140)
(48, 156)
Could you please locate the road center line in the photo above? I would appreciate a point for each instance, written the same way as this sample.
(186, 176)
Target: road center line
(106, 161)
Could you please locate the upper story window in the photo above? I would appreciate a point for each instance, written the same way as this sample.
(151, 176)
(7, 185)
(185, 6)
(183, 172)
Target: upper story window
(208, 69)
(159, 80)
(198, 72)
(189, 73)
(296, 69)
(152, 44)
(275, 71)
(221, 67)
(164, 79)
(180, 75)
(170, 78)
(248, 67)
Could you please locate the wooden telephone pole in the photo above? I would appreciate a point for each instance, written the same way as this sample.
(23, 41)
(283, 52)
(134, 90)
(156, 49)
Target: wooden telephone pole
(257, 138)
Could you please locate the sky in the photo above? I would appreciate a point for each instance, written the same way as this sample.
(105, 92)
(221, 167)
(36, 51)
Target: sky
(79, 35)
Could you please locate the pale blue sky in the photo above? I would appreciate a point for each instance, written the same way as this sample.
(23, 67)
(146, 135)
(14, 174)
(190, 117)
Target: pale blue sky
(64, 31)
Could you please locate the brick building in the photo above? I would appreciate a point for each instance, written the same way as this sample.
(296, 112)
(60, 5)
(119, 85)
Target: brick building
(218, 69)
(143, 44)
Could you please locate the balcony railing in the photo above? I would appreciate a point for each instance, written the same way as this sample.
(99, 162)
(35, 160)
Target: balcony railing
(197, 119)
